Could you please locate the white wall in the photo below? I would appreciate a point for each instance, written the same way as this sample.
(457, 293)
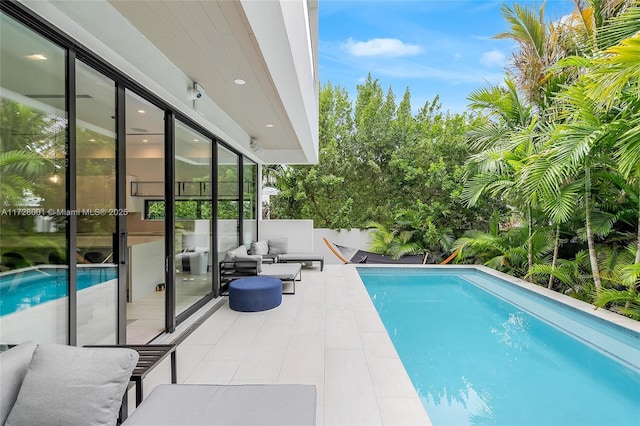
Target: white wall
(298, 232)
(147, 268)
(303, 238)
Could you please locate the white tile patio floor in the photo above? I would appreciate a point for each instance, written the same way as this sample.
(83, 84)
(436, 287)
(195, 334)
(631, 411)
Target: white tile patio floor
(327, 334)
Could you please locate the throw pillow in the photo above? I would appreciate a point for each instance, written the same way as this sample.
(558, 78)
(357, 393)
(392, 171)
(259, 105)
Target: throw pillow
(259, 247)
(278, 245)
(14, 364)
(231, 254)
(68, 385)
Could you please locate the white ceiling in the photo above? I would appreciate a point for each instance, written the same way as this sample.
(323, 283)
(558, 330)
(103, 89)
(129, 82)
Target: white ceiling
(213, 43)
(166, 45)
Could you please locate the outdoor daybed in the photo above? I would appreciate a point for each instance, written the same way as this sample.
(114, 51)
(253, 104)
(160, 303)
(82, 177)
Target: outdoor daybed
(67, 385)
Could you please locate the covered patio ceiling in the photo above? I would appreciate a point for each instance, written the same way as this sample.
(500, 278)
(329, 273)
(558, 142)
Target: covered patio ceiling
(270, 45)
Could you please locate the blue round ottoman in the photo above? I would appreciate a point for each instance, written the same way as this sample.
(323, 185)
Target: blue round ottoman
(254, 294)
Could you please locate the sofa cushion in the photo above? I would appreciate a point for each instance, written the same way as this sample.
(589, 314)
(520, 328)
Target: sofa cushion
(259, 247)
(231, 254)
(68, 385)
(278, 245)
(14, 364)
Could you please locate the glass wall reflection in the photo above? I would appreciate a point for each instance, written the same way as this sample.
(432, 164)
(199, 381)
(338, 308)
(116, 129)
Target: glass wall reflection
(249, 202)
(145, 219)
(228, 201)
(193, 215)
(33, 250)
(96, 204)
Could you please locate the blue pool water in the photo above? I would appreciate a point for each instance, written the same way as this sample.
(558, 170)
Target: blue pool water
(27, 288)
(475, 357)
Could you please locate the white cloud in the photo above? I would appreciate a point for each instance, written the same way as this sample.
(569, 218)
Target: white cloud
(449, 76)
(381, 47)
(493, 58)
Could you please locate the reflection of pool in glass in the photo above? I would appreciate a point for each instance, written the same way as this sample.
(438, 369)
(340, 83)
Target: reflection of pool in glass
(21, 290)
(480, 350)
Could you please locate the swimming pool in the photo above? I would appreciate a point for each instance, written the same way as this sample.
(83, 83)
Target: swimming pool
(23, 289)
(480, 350)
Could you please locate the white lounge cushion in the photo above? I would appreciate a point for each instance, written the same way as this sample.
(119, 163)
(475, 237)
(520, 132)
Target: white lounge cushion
(259, 247)
(14, 364)
(68, 385)
(259, 405)
(231, 254)
(278, 245)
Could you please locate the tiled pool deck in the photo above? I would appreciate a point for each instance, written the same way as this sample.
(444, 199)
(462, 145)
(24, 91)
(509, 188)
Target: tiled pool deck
(327, 334)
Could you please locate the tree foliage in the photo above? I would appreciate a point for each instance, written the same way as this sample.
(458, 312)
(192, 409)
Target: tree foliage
(583, 176)
(380, 163)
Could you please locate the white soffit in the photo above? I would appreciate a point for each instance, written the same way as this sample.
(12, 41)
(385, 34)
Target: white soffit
(168, 44)
(217, 42)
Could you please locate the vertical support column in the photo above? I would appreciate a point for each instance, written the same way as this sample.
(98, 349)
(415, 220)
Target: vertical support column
(120, 247)
(214, 219)
(169, 210)
(71, 203)
(240, 199)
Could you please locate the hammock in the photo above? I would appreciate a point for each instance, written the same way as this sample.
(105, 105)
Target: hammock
(351, 255)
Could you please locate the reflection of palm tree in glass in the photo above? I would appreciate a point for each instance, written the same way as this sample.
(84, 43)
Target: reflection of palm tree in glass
(30, 142)
(19, 170)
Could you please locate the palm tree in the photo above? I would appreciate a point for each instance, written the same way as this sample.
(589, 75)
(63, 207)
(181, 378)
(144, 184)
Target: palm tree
(393, 242)
(573, 275)
(507, 252)
(540, 45)
(504, 144)
(602, 111)
(623, 277)
(614, 81)
(541, 182)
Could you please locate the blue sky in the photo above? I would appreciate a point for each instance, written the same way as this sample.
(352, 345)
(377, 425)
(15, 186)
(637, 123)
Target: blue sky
(433, 47)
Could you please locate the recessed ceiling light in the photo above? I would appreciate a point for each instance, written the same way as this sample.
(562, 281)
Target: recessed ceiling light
(196, 140)
(145, 140)
(37, 57)
(239, 81)
(141, 111)
(269, 125)
(92, 140)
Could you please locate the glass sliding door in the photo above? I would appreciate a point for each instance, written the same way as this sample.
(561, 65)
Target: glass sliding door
(34, 292)
(249, 202)
(228, 201)
(145, 175)
(97, 272)
(193, 217)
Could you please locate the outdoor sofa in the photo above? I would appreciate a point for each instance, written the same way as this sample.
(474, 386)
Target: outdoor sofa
(239, 264)
(53, 384)
(277, 250)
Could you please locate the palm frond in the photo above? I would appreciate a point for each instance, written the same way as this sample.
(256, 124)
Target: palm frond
(620, 27)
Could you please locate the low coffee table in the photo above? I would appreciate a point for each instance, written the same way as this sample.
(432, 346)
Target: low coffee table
(301, 258)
